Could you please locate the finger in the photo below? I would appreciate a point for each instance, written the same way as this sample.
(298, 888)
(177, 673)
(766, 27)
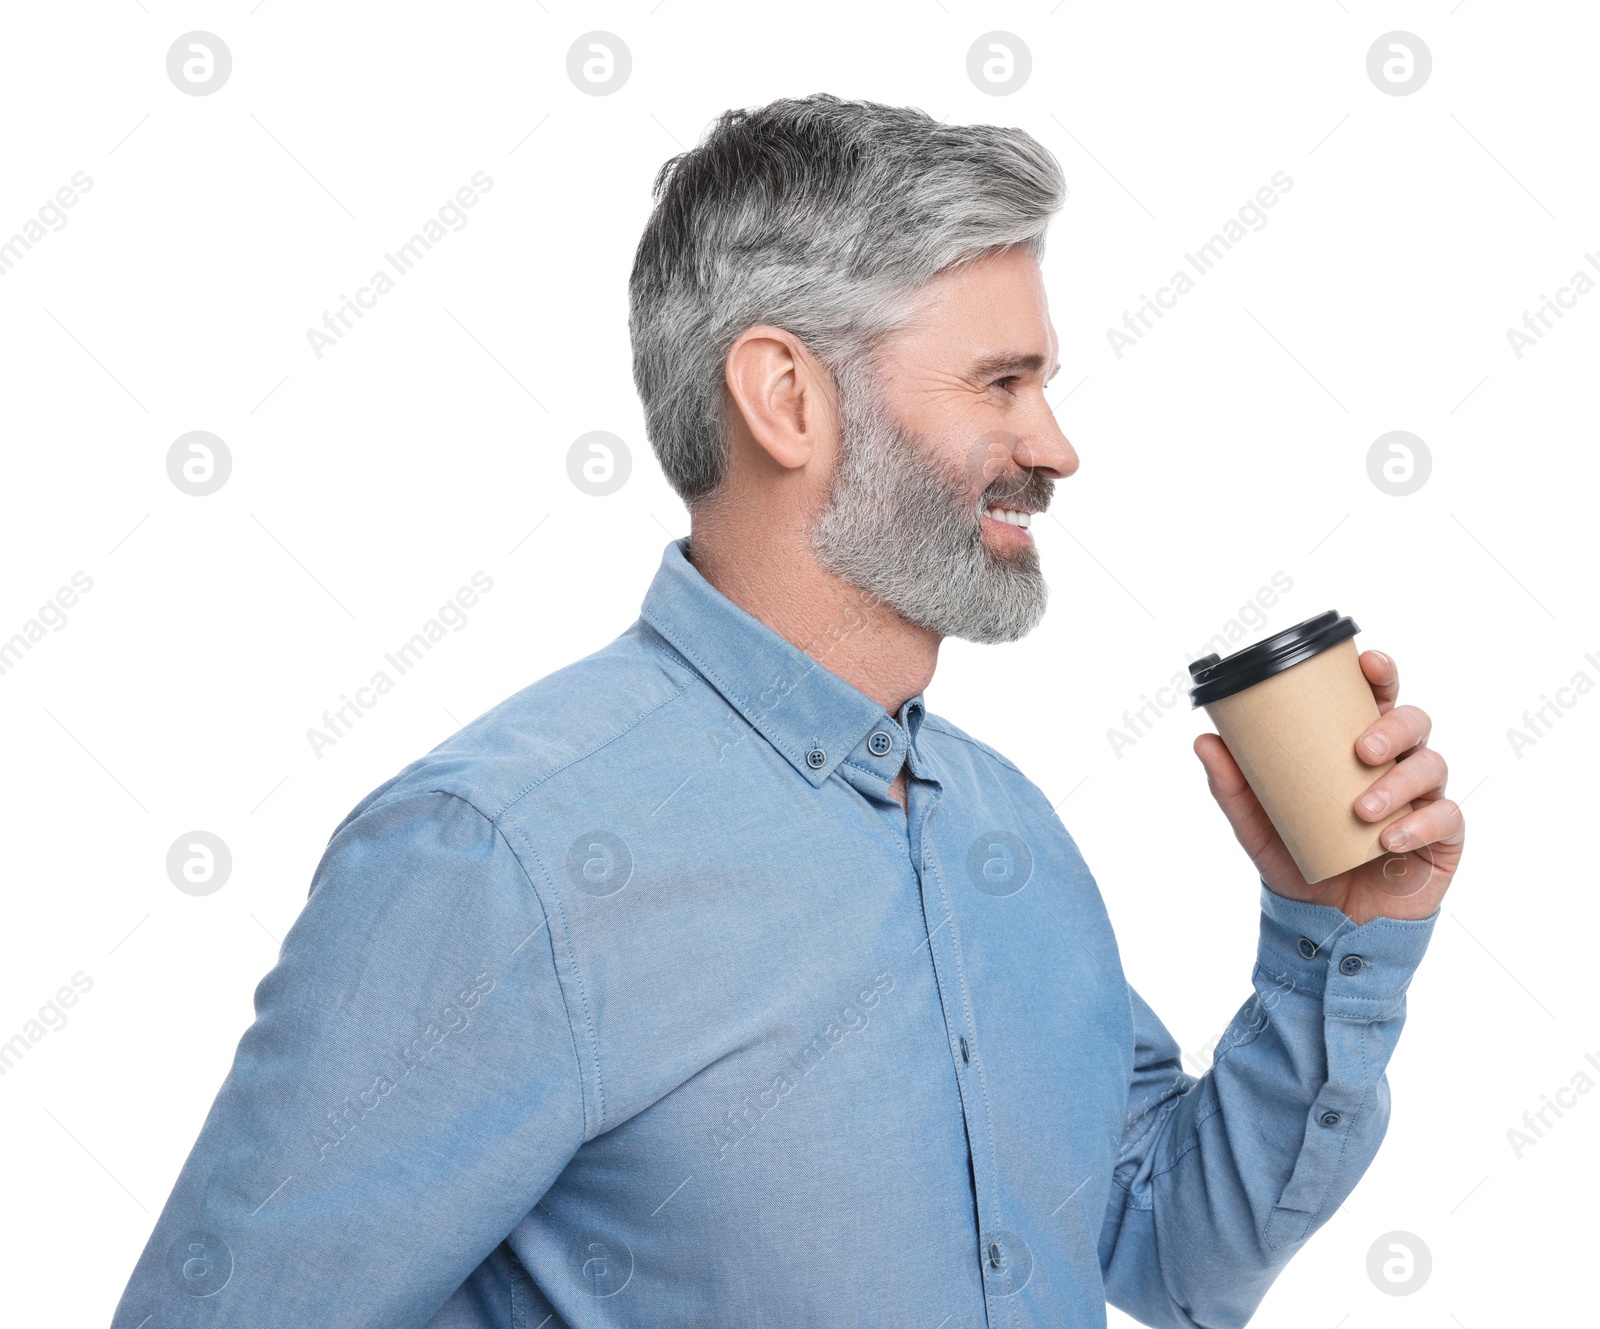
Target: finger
(1397, 731)
(1437, 822)
(1423, 772)
(1384, 675)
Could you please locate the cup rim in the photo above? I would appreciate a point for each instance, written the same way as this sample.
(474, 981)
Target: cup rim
(1218, 676)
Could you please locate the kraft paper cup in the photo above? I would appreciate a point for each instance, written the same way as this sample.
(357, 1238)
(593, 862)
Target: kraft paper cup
(1290, 709)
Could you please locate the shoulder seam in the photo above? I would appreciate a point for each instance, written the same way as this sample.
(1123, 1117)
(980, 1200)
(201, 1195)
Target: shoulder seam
(538, 900)
(577, 978)
(566, 1003)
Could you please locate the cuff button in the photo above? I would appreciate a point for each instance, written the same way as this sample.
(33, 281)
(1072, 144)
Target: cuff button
(1329, 1118)
(1308, 948)
(1351, 964)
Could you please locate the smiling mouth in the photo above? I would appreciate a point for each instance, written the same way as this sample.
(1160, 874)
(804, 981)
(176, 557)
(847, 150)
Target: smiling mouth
(1010, 525)
(1010, 517)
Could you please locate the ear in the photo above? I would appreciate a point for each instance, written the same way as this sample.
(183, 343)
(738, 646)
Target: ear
(782, 394)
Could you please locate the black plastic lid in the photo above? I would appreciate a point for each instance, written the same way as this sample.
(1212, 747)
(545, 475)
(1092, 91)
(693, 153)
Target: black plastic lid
(1217, 676)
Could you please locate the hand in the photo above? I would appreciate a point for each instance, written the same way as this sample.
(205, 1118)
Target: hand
(1408, 883)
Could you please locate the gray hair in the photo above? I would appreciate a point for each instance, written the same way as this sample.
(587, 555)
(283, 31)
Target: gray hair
(823, 217)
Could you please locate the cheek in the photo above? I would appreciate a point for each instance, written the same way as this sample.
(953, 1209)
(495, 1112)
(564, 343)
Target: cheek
(968, 457)
(956, 432)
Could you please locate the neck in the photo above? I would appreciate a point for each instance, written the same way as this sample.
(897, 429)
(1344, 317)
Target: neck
(772, 574)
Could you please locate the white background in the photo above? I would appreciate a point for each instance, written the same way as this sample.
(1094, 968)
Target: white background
(369, 484)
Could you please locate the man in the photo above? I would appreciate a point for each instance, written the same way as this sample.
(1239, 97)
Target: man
(712, 980)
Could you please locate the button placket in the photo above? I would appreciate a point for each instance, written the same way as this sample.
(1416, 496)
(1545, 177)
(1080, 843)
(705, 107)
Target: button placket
(945, 953)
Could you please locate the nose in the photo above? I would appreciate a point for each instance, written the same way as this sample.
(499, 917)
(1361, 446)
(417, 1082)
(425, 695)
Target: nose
(1043, 447)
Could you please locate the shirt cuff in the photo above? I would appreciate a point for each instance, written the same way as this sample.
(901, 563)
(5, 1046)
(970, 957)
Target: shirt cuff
(1361, 972)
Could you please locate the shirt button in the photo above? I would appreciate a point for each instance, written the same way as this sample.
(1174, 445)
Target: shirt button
(965, 1055)
(816, 759)
(880, 743)
(1308, 948)
(1329, 1118)
(1351, 964)
(995, 1257)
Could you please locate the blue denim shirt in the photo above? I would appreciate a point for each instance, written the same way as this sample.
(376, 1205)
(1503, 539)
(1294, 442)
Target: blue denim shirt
(638, 1001)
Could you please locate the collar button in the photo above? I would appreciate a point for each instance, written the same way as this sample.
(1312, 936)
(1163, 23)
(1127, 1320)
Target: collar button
(816, 759)
(880, 743)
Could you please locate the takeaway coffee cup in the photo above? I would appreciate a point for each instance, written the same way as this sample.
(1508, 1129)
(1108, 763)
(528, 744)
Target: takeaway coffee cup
(1290, 709)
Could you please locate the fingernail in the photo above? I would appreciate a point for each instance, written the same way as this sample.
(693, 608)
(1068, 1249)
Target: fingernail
(1375, 802)
(1386, 660)
(1376, 744)
(1398, 839)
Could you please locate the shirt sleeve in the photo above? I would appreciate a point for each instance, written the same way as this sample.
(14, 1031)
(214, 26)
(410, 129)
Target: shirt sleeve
(407, 1092)
(1221, 1179)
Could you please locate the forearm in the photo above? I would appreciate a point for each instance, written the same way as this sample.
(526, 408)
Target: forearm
(1317, 1079)
(1225, 1177)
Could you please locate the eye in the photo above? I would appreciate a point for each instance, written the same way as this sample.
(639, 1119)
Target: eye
(1003, 382)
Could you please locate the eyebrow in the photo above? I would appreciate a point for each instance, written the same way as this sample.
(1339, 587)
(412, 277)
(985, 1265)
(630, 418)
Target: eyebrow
(1011, 362)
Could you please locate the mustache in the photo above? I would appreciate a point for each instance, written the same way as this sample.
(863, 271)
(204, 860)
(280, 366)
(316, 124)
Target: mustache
(1022, 490)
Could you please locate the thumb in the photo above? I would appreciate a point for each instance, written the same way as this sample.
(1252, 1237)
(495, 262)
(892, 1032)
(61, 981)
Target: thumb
(1232, 791)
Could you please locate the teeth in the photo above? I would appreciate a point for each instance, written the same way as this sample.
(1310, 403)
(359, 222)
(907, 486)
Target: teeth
(1010, 517)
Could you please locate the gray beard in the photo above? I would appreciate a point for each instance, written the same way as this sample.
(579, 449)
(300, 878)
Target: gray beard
(902, 531)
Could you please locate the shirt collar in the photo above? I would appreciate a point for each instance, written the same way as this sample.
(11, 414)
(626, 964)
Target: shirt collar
(807, 712)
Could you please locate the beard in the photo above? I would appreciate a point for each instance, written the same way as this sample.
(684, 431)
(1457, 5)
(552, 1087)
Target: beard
(908, 533)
